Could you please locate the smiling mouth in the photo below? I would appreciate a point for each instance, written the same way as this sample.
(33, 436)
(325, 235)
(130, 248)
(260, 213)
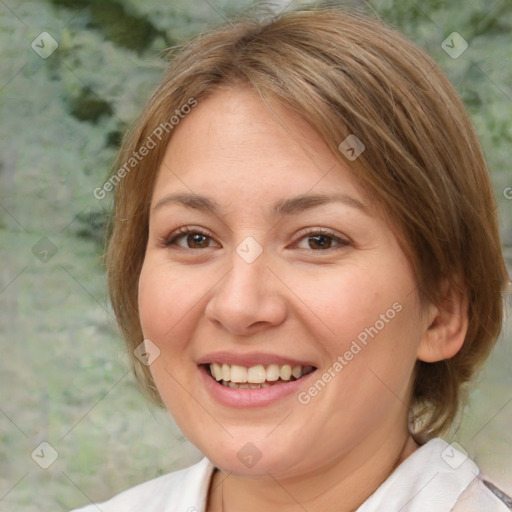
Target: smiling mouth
(256, 377)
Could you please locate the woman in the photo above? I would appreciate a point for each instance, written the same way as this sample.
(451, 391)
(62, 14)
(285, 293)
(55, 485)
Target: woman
(305, 263)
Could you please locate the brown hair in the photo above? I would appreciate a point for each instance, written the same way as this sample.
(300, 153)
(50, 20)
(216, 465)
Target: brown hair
(344, 74)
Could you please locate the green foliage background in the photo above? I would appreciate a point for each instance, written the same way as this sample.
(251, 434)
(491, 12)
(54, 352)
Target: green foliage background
(64, 375)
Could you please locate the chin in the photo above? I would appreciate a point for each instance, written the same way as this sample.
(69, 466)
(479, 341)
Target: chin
(241, 456)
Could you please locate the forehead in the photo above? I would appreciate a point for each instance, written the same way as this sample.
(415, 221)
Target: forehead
(233, 144)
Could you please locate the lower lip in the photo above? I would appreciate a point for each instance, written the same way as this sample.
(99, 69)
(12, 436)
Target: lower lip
(242, 398)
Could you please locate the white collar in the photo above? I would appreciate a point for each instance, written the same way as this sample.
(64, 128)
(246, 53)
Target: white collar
(431, 479)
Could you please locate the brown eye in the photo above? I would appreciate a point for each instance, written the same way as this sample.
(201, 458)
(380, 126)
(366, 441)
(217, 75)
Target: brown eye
(186, 238)
(197, 241)
(320, 242)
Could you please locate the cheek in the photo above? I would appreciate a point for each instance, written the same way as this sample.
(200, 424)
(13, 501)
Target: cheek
(165, 311)
(368, 312)
(342, 303)
(166, 298)
(167, 316)
(154, 306)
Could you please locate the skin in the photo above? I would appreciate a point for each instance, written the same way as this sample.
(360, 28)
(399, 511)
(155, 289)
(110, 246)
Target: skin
(307, 303)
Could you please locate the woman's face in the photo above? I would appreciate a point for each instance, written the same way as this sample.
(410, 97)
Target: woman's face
(285, 266)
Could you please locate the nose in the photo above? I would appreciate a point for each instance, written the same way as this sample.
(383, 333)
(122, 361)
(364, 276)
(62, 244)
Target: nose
(248, 299)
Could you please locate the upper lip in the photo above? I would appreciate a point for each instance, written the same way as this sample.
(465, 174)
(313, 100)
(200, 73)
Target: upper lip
(250, 359)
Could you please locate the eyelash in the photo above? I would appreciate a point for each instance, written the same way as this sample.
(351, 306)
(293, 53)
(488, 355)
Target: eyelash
(170, 240)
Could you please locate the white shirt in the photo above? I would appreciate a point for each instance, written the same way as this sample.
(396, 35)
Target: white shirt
(435, 478)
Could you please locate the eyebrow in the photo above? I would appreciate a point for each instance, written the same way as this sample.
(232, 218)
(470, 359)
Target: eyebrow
(283, 207)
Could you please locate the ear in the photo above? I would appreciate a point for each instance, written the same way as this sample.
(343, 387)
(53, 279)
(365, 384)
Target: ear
(446, 326)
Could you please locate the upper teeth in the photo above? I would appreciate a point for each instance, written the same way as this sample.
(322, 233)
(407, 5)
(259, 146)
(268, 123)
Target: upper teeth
(257, 374)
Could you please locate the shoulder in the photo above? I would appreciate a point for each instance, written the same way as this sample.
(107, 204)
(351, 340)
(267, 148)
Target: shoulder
(182, 491)
(437, 476)
(483, 496)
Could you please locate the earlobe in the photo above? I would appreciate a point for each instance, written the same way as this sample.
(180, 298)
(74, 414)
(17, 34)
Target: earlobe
(446, 328)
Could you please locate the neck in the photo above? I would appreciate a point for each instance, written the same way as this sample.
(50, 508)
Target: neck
(342, 486)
